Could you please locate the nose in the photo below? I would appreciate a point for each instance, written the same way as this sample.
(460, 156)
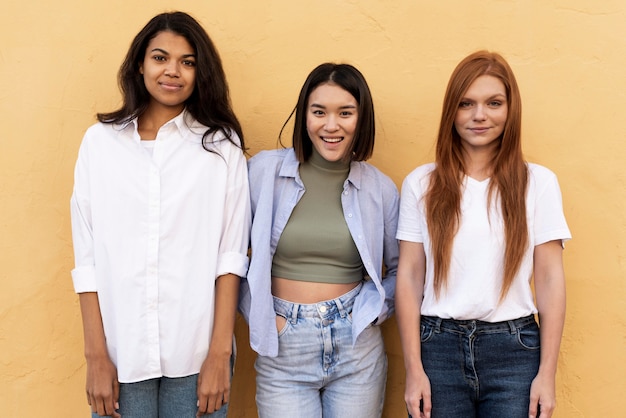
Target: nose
(479, 112)
(331, 123)
(172, 69)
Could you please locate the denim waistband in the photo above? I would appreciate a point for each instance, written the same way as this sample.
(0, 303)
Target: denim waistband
(456, 325)
(324, 309)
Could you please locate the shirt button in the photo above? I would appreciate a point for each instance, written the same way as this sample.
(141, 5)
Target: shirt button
(349, 215)
(323, 309)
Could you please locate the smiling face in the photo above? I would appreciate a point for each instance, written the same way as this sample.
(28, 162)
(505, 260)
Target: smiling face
(169, 70)
(482, 114)
(331, 121)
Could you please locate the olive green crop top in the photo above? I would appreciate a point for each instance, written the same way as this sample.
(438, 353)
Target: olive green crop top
(316, 245)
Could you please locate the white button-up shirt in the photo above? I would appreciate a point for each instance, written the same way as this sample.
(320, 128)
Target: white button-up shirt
(151, 234)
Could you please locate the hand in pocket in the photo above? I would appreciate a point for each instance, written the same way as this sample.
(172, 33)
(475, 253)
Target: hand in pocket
(280, 323)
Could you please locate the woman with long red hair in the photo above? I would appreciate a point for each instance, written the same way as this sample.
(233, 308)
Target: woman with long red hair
(475, 227)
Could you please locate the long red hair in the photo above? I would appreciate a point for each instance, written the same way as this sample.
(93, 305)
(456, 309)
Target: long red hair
(509, 177)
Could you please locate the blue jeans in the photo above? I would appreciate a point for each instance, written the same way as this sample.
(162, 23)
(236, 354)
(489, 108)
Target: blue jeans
(318, 373)
(480, 369)
(162, 398)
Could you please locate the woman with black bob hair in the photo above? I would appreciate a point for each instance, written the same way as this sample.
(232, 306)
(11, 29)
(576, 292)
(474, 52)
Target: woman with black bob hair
(324, 257)
(160, 223)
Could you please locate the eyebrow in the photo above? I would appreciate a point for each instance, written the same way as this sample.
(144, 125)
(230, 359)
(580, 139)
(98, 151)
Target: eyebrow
(340, 107)
(167, 53)
(493, 96)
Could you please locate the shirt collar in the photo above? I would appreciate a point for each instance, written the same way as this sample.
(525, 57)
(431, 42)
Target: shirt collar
(356, 173)
(183, 123)
(290, 166)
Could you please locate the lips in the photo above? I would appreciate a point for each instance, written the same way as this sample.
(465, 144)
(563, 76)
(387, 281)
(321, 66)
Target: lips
(332, 140)
(170, 86)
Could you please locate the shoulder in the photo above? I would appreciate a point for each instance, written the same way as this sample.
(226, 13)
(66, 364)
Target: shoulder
(542, 181)
(421, 172)
(221, 139)
(100, 132)
(371, 174)
(539, 172)
(268, 159)
(100, 128)
(420, 176)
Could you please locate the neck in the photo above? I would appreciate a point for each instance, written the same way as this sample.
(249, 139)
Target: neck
(478, 165)
(154, 117)
(318, 161)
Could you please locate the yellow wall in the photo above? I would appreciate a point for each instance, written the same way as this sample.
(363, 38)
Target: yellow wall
(58, 63)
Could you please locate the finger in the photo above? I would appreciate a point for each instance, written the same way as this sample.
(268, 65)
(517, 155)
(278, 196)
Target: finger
(202, 407)
(100, 407)
(215, 403)
(532, 409)
(116, 393)
(426, 405)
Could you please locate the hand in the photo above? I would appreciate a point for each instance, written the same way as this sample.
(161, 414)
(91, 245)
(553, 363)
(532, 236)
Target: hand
(103, 389)
(542, 397)
(417, 394)
(213, 383)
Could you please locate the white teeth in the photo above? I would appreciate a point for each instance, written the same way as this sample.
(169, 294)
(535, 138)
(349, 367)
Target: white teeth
(332, 140)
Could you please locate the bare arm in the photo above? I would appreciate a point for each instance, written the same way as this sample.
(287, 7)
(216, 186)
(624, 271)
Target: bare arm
(215, 374)
(550, 293)
(102, 386)
(409, 294)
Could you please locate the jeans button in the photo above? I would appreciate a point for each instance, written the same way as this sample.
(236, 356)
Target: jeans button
(323, 309)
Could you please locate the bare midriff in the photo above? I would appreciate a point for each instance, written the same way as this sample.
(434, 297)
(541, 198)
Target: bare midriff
(308, 292)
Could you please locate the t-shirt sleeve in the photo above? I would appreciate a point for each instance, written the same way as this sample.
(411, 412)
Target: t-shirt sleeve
(550, 223)
(409, 221)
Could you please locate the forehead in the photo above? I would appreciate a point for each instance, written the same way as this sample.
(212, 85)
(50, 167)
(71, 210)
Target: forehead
(331, 93)
(486, 85)
(170, 41)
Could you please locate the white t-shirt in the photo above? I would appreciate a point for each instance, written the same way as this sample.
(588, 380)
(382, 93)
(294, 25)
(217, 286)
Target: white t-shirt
(476, 266)
(152, 232)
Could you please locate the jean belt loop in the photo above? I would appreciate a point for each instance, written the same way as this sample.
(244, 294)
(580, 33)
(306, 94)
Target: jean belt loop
(512, 326)
(340, 308)
(438, 325)
(294, 313)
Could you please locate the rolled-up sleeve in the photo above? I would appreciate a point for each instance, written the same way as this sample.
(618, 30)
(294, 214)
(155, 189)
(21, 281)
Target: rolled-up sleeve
(233, 250)
(84, 272)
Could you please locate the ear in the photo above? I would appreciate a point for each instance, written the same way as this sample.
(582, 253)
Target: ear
(141, 68)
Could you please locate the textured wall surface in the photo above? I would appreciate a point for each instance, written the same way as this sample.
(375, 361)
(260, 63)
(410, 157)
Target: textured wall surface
(58, 64)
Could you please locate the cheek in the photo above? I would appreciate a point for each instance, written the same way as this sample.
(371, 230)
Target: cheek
(504, 115)
(192, 77)
(458, 119)
(310, 126)
(457, 124)
(354, 125)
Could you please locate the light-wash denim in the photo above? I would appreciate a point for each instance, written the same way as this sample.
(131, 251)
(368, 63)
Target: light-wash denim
(318, 372)
(370, 203)
(479, 369)
(162, 397)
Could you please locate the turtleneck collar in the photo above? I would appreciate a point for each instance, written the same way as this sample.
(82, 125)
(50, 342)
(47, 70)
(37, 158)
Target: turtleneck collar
(318, 161)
